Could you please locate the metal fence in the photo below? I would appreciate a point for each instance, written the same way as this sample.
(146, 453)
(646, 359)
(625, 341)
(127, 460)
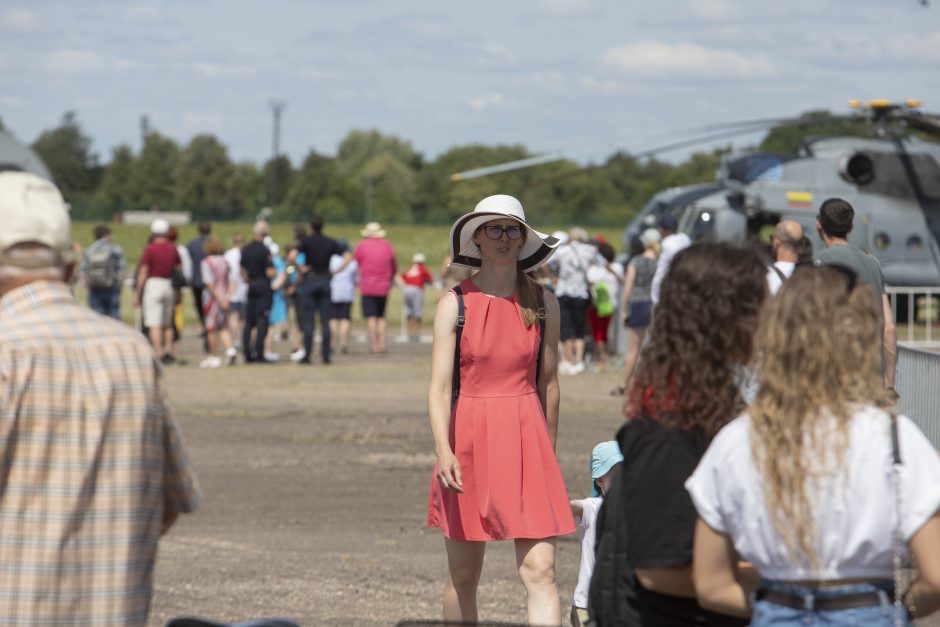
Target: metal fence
(918, 384)
(916, 311)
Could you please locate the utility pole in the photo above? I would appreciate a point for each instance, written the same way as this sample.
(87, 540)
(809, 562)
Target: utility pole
(277, 107)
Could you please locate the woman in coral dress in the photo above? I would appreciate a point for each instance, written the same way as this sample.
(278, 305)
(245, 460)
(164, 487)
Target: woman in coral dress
(497, 477)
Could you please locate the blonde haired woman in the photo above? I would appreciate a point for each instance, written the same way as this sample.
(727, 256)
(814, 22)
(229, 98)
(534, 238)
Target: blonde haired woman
(803, 484)
(497, 477)
(636, 303)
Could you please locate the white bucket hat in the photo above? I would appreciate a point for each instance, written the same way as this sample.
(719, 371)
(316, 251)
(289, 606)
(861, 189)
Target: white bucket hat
(373, 229)
(464, 252)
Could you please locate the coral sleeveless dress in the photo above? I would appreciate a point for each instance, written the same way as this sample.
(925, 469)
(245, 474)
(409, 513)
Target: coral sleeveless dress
(513, 487)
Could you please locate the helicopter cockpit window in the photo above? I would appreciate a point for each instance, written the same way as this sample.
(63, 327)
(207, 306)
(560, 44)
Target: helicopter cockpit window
(882, 240)
(914, 242)
(703, 225)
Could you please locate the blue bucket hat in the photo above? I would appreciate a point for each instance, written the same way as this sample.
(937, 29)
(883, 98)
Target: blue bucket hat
(604, 457)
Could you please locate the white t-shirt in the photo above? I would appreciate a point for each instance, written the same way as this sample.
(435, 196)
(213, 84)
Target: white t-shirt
(587, 533)
(572, 262)
(670, 245)
(186, 263)
(234, 258)
(773, 279)
(343, 284)
(855, 516)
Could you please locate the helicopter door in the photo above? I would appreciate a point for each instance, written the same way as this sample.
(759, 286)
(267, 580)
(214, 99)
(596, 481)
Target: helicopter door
(710, 224)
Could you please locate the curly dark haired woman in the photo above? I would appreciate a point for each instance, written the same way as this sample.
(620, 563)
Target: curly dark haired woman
(685, 389)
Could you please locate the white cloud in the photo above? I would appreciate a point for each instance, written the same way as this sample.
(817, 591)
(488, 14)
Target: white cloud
(486, 101)
(654, 59)
(918, 49)
(72, 61)
(19, 20)
(207, 69)
(567, 8)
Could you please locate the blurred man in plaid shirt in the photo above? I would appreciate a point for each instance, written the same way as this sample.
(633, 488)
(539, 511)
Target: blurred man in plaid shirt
(93, 469)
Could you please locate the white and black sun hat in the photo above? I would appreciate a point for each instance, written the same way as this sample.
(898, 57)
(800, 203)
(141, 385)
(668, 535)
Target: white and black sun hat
(464, 252)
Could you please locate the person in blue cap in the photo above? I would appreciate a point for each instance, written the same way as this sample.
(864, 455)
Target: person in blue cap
(605, 461)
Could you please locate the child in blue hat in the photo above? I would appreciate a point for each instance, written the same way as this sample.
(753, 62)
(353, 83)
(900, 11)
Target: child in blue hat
(605, 461)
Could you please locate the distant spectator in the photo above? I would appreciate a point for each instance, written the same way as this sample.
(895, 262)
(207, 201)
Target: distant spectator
(180, 279)
(342, 293)
(672, 242)
(785, 242)
(377, 268)
(155, 288)
(574, 296)
(236, 312)
(103, 271)
(216, 302)
(605, 281)
(636, 304)
(413, 281)
(196, 248)
(313, 292)
(278, 318)
(257, 270)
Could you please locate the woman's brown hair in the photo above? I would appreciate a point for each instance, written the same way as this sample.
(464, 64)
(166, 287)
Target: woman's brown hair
(701, 337)
(212, 246)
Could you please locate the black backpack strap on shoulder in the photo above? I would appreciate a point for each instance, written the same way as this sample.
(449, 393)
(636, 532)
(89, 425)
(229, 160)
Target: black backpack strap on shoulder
(895, 447)
(542, 315)
(783, 277)
(461, 320)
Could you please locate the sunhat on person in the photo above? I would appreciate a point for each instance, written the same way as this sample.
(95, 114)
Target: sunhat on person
(604, 457)
(537, 249)
(373, 229)
(418, 258)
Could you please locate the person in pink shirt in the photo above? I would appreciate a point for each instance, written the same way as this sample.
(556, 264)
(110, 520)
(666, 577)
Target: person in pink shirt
(377, 268)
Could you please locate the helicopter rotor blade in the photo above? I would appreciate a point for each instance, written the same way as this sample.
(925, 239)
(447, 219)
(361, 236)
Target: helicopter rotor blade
(508, 166)
(926, 122)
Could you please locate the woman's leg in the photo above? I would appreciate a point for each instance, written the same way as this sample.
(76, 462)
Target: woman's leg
(464, 565)
(344, 335)
(634, 340)
(536, 562)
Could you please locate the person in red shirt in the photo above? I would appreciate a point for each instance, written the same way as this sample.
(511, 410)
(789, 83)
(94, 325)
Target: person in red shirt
(155, 289)
(412, 282)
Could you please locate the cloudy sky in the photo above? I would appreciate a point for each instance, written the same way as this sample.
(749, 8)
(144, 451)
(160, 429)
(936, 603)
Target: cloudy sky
(585, 76)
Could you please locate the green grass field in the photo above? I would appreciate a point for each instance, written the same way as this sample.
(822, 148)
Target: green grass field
(407, 240)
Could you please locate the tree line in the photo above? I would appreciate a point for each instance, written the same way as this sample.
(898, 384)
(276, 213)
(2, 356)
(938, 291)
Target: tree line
(373, 176)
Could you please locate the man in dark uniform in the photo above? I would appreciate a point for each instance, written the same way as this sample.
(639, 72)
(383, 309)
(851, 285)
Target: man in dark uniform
(313, 293)
(257, 270)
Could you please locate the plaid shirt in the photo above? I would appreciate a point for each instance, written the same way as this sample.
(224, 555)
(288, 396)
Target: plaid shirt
(91, 456)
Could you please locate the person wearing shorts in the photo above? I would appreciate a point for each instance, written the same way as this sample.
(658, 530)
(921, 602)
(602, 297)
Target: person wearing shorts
(155, 290)
(342, 291)
(377, 267)
(412, 282)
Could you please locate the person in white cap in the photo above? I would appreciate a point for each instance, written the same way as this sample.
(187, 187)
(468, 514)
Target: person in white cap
(94, 468)
(494, 424)
(412, 283)
(155, 288)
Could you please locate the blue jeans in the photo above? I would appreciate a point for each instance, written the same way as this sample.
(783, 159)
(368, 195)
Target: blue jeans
(107, 302)
(768, 614)
(313, 297)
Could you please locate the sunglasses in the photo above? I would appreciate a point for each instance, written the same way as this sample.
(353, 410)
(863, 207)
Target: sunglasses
(496, 232)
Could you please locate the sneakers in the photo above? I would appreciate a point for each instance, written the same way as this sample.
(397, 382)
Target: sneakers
(210, 362)
(298, 355)
(577, 368)
(230, 356)
(272, 356)
(566, 367)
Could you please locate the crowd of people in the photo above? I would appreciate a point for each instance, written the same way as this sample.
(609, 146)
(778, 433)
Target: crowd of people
(761, 476)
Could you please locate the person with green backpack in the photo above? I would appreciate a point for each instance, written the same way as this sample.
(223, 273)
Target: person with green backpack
(605, 283)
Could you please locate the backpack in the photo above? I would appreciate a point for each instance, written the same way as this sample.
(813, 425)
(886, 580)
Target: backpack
(612, 583)
(102, 268)
(603, 303)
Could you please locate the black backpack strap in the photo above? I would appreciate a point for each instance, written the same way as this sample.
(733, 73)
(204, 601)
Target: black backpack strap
(895, 447)
(461, 320)
(542, 314)
(783, 277)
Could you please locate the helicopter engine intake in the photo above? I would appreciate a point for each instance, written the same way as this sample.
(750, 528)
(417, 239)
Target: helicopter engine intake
(858, 168)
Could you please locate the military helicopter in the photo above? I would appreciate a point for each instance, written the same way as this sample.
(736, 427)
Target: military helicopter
(892, 179)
